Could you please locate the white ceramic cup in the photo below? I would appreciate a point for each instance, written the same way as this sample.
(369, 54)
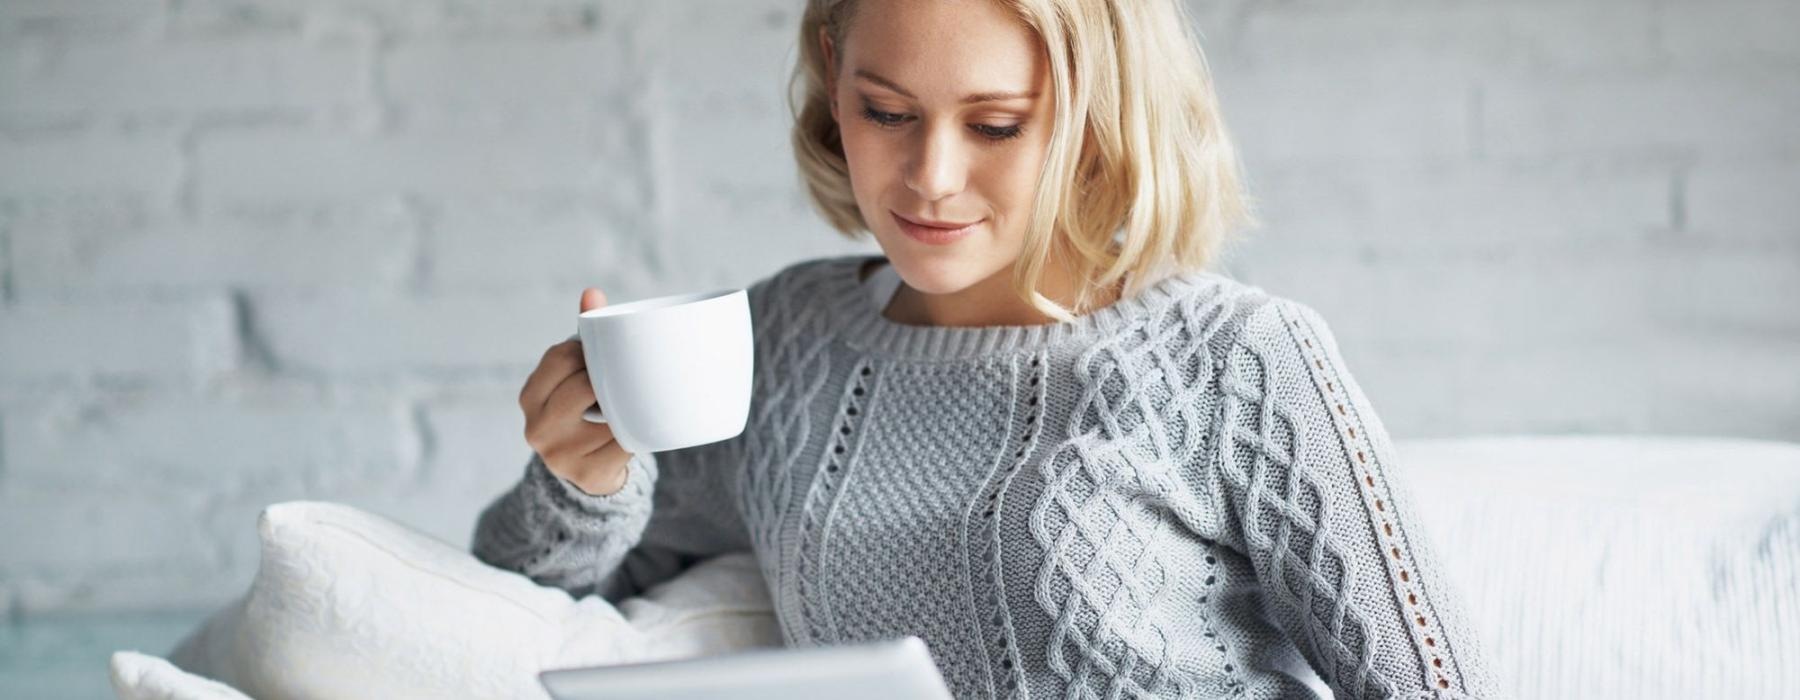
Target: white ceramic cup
(670, 372)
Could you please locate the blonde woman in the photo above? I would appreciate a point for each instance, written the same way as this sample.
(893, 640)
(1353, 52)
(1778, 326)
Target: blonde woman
(1036, 431)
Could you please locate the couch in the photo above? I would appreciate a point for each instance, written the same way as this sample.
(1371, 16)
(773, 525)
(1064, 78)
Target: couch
(1593, 567)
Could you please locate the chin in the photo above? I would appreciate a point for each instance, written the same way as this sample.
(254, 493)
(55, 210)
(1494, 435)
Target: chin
(932, 279)
(937, 275)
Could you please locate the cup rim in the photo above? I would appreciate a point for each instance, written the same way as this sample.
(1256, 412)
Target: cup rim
(656, 304)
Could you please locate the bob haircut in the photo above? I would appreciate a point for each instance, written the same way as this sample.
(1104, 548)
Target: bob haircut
(1141, 179)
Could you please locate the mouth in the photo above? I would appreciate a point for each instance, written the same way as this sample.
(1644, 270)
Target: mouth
(933, 232)
(928, 223)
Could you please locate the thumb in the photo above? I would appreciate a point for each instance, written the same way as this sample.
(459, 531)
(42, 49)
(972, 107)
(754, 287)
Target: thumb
(592, 298)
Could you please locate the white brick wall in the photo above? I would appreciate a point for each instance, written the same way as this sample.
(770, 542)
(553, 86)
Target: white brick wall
(259, 250)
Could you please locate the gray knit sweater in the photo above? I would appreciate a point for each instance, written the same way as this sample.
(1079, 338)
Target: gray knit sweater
(1167, 497)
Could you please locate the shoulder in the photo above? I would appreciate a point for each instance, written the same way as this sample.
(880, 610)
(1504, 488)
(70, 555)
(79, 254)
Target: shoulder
(1225, 312)
(1206, 318)
(1272, 322)
(797, 285)
(814, 267)
(809, 272)
(1267, 339)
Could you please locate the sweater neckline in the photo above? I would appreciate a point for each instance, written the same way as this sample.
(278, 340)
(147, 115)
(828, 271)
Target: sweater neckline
(863, 325)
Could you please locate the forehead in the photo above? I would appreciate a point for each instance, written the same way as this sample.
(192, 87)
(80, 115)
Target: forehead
(944, 48)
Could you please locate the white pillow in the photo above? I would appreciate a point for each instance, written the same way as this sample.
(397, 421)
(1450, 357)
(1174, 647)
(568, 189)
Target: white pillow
(138, 676)
(347, 604)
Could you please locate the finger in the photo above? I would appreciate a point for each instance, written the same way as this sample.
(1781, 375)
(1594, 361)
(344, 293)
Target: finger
(594, 436)
(592, 298)
(560, 361)
(579, 440)
(570, 398)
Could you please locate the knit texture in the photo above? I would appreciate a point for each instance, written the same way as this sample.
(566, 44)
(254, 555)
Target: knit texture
(1172, 496)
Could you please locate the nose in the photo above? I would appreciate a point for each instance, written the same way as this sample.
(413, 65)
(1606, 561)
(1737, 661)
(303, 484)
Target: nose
(939, 168)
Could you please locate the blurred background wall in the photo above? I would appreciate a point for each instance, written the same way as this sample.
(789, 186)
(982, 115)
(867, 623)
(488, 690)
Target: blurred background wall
(254, 251)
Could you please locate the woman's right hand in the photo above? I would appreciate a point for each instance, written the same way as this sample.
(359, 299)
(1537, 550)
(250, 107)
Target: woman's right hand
(553, 399)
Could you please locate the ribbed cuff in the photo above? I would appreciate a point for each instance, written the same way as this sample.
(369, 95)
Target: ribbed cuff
(565, 495)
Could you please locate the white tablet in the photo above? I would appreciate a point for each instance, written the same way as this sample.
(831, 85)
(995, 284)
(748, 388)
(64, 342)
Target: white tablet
(899, 669)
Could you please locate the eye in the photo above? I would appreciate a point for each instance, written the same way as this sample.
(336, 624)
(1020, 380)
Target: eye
(988, 131)
(998, 133)
(883, 118)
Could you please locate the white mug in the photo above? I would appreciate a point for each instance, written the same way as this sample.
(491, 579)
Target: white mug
(670, 372)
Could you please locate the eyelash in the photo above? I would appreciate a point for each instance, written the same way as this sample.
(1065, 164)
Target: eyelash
(888, 120)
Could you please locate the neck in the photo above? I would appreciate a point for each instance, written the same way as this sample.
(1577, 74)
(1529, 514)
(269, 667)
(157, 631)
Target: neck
(991, 301)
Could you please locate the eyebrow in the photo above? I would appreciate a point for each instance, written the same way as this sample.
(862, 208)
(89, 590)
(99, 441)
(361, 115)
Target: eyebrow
(971, 99)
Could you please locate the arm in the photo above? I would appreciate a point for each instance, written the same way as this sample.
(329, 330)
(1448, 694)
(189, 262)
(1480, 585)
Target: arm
(558, 535)
(674, 510)
(1308, 479)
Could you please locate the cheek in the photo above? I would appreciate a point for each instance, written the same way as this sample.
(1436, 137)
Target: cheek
(868, 153)
(1010, 182)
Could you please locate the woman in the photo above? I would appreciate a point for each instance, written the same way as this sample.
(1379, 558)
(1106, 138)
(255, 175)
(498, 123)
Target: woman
(1036, 432)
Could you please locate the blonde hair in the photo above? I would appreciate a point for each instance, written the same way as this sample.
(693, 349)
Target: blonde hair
(1138, 152)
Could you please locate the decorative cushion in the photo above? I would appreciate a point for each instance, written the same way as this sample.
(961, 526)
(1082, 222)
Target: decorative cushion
(138, 676)
(348, 604)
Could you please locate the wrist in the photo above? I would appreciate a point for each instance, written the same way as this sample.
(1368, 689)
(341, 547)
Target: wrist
(605, 483)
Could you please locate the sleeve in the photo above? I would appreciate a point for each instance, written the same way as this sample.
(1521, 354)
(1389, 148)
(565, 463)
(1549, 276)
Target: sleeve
(1309, 483)
(558, 535)
(674, 510)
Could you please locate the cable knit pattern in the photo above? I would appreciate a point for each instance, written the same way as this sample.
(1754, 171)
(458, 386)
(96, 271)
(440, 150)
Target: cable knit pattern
(1173, 496)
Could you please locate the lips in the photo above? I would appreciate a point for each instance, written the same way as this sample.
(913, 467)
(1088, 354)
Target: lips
(933, 232)
(947, 225)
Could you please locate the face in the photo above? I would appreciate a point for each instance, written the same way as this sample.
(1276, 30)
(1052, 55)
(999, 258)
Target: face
(945, 113)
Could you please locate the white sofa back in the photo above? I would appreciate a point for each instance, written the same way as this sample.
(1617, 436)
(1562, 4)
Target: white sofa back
(1622, 567)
